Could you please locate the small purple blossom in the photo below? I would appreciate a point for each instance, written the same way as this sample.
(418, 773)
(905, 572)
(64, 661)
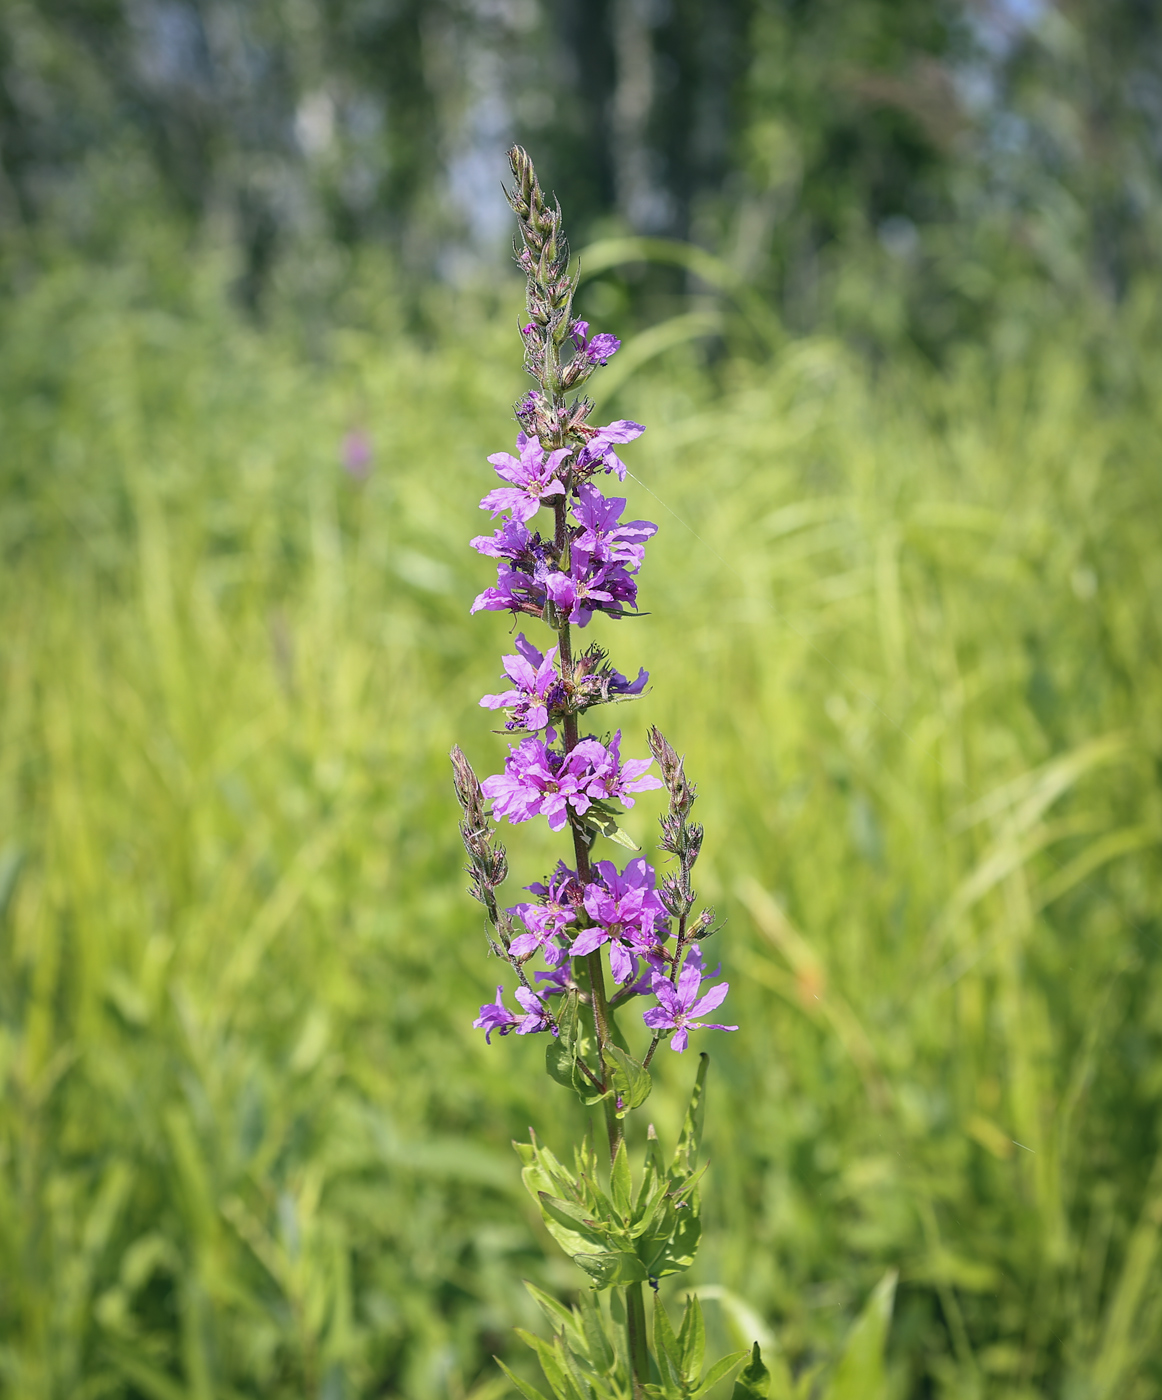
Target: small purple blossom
(599, 348)
(515, 591)
(537, 686)
(557, 980)
(543, 925)
(512, 541)
(562, 895)
(538, 781)
(598, 451)
(356, 454)
(604, 535)
(625, 910)
(679, 1005)
(533, 475)
(590, 586)
(495, 1016)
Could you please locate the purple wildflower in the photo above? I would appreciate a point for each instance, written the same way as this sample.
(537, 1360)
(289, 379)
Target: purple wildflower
(537, 687)
(538, 781)
(599, 348)
(562, 895)
(515, 591)
(625, 910)
(558, 980)
(533, 475)
(604, 535)
(511, 541)
(590, 587)
(620, 686)
(616, 780)
(495, 1016)
(679, 1005)
(598, 451)
(543, 925)
(357, 454)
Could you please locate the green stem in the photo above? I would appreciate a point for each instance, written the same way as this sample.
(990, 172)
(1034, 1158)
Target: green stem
(635, 1329)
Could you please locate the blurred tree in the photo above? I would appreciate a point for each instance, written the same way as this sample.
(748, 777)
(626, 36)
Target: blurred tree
(889, 166)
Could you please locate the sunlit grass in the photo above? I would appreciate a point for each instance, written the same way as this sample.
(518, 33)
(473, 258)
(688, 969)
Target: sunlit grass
(905, 629)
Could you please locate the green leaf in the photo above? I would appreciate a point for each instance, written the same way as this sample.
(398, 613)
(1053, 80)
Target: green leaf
(601, 821)
(574, 1219)
(655, 1171)
(560, 1062)
(860, 1373)
(614, 1267)
(601, 1350)
(680, 1247)
(530, 1392)
(558, 1315)
(620, 1184)
(551, 1364)
(691, 1139)
(667, 1353)
(716, 1373)
(692, 1340)
(567, 1017)
(631, 1079)
(755, 1381)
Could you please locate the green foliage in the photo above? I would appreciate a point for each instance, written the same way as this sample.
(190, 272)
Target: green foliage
(621, 1236)
(248, 1142)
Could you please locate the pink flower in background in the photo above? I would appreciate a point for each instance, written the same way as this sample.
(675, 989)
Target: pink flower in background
(356, 454)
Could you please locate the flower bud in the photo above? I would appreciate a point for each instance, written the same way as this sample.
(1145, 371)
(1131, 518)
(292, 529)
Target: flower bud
(468, 790)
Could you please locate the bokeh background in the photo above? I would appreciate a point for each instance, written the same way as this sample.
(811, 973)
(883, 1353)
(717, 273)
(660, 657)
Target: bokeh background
(887, 273)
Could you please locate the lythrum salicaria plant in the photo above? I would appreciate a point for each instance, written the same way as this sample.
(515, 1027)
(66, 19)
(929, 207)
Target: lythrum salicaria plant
(598, 938)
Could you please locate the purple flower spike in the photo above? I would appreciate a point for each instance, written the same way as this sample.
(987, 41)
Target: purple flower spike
(533, 475)
(536, 686)
(679, 1005)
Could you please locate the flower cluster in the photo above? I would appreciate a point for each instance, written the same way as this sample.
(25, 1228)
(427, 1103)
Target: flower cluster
(591, 562)
(565, 552)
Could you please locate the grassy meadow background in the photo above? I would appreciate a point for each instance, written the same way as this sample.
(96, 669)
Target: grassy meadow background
(903, 622)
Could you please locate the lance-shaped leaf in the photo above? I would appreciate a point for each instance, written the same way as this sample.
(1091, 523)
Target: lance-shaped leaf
(530, 1392)
(620, 1185)
(554, 1366)
(716, 1373)
(686, 1156)
(860, 1373)
(667, 1353)
(599, 819)
(602, 1352)
(755, 1381)
(559, 1317)
(692, 1340)
(631, 1079)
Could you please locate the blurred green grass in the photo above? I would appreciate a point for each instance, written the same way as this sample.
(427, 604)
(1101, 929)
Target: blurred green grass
(905, 627)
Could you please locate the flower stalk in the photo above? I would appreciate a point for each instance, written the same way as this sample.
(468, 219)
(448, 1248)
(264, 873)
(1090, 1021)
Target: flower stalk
(594, 912)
